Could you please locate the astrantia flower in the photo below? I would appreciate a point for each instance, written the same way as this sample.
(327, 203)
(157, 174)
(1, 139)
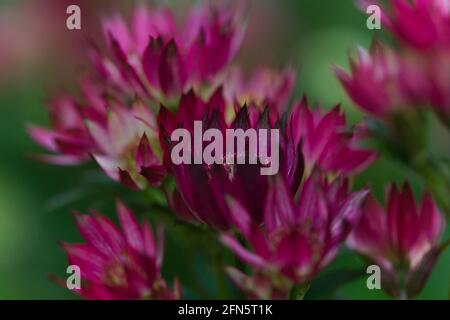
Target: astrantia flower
(422, 24)
(124, 143)
(327, 142)
(416, 75)
(122, 139)
(327, 145)
(297, 239)
(397, 88)
(68, 139)
(119, 264)
(403, 240)
(200, 188)
(153, 56)
(383, 83)
(373, 81)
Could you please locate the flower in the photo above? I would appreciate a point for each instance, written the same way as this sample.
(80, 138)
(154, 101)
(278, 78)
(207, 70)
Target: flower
(373, 81)
(403, 239)
(296, 240)
(414, 76)
(324, 140)
(153, 57)
(68, 139)
(119, 264)
(327, 142)
(421, 24)
(380, 82)
(123, 140)
(125, 150)
(200, 188)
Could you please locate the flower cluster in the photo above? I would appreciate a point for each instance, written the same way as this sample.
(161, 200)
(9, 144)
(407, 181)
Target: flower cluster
(119, 264)
(298, 239)
(404, 241)
(155, 78)
(387, 81)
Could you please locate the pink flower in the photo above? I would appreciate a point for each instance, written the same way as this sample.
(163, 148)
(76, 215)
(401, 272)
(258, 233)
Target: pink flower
(69, 139)
(119, 264)
(386, 82)
(376, 83)
(200, 188)
(124, 143)
(327, 142)
(402, 240)
(123, 140)
(297, 238)
(421, 24)
(153, 57)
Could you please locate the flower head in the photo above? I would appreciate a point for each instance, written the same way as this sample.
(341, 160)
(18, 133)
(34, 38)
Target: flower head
(327, 142)
(68, 139)
(126, 143)
(421, 24)
(297, 239)
(387, 82)
(200, 187)
(122, 139)
(402, 240)
(154, 57)
(119, 264)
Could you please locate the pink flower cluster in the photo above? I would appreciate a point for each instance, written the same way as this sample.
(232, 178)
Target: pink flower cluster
(156, 77)
(387, 81)
(119, 264)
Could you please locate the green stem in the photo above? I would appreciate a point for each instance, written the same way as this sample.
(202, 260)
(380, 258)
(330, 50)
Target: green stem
(299, 291)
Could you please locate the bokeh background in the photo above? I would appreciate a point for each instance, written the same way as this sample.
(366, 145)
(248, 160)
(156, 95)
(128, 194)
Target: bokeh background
(39, 55)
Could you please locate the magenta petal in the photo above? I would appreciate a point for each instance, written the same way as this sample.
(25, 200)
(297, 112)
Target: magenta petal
(239, 216)
(279, 207)
(431, 220)
(348, 216)
(93, 233)
(90, 261)
(242, 253)
(149, 241)
(408, 221)
(171, 70)
(294, 254)
(43, 137)
(369, 237)
(61, 160)
(130, 227)
(151, 60)
(144, 154)
(160, 245)
(393, 208)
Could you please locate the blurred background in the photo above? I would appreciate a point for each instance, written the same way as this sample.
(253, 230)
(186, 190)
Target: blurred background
(39, 55)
